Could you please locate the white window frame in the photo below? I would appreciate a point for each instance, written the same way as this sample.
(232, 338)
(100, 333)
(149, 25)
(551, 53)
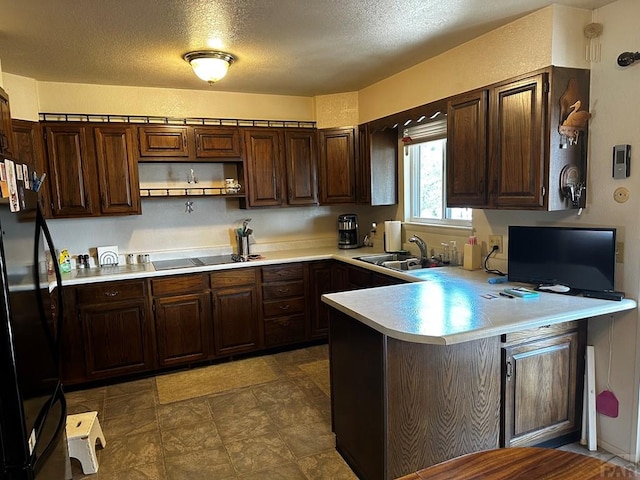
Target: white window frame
(431, 131)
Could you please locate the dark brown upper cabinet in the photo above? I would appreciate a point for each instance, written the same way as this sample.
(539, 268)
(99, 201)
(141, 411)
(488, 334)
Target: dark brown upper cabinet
(29, 149)
(92, 170)
(301, 160)
(118, 182)
(169, 143)
(504, 147)
(337, 166)
(377, 166)
(280, 166)
(217, 142)
(6, 135)
(467, 150)
(158, 142)
(264, 165)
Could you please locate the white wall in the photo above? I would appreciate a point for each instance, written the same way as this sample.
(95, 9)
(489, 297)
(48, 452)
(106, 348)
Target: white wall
(615, 94)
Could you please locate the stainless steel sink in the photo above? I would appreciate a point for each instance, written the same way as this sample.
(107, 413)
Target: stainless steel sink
(397, 261)
(381, 258)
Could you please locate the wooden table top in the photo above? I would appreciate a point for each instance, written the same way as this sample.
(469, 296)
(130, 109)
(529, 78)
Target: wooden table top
(525, 463)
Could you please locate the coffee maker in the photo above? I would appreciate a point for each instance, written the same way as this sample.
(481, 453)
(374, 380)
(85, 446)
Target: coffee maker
(348, 234)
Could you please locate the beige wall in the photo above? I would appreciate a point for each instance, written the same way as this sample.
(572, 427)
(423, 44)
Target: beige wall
(165, 102)
(500, 54)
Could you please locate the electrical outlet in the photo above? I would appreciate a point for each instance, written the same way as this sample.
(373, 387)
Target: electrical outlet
(620, 252)
(495, 240)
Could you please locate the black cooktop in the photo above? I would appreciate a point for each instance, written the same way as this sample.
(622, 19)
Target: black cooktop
(192, 262)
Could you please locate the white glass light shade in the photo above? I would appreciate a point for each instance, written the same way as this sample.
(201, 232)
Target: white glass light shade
(210, 66)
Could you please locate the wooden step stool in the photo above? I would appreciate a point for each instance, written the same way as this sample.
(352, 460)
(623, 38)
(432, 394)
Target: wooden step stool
(83, 429)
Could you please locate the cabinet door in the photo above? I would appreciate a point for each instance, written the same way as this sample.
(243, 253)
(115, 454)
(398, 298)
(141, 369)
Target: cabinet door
(516, 142)
(265, 166)
(301, 165)
(540, 385)
(235, 319)
(467, 150)
(336, 166)
(72, 168)
(320, 282)
(117, 170)
(217, 142)
(116, 338)
(163, 141)
(29, 149)
(6, 136)
(183, 328)
(377, 166)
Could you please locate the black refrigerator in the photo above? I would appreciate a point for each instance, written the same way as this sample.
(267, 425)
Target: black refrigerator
(32, 404)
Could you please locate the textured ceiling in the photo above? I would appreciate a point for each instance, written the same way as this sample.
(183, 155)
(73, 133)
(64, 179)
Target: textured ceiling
(291, 47)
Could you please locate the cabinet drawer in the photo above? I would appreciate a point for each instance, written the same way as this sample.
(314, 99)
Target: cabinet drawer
(279, 273)
(110, 292)
(179, 284)
(289, 306)
(545, 331)
(282, 330)
(283, 290)
(235, 277)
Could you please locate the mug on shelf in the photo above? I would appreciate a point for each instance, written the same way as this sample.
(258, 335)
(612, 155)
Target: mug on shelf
(231, 185)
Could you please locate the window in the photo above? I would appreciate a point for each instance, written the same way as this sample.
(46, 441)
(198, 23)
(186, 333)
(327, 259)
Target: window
(426, 177)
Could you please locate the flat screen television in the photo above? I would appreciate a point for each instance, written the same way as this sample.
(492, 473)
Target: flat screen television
(583, 259)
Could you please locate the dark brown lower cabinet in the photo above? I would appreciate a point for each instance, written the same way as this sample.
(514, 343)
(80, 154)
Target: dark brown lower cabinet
(542, 377)
(284, 304)
(236, 323)
(116, 331)
(401, 406)
(183, 319)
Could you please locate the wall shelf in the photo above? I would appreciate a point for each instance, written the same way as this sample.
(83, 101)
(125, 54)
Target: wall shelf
(188, 192)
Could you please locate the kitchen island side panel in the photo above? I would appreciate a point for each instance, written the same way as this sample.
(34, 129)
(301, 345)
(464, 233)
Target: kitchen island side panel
(356, 354)
(443, 402)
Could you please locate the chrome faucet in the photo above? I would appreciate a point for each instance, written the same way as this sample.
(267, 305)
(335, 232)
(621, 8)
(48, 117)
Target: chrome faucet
(422, 245)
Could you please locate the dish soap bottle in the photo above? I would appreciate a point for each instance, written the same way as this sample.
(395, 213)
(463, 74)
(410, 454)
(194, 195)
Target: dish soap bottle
(64, 261)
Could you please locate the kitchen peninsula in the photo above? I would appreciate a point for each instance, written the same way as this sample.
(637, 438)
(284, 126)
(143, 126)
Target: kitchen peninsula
(427, 371)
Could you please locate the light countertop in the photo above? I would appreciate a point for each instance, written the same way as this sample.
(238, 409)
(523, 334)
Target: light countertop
(438, 305)
(145, 270)
(447, 306)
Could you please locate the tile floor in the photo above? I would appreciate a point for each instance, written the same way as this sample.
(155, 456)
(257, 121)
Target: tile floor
(280, 430)
(275, 430)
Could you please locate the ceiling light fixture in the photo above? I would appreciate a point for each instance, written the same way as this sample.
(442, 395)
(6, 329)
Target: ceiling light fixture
(209, 65)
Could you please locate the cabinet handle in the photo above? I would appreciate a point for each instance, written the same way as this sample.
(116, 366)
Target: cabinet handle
(283, 290)
(184, 141)
(285, 307)
(112, 293)
(509, 371)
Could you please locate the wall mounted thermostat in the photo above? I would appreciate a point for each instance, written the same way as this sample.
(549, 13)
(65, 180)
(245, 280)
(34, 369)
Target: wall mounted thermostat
(621, 161)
